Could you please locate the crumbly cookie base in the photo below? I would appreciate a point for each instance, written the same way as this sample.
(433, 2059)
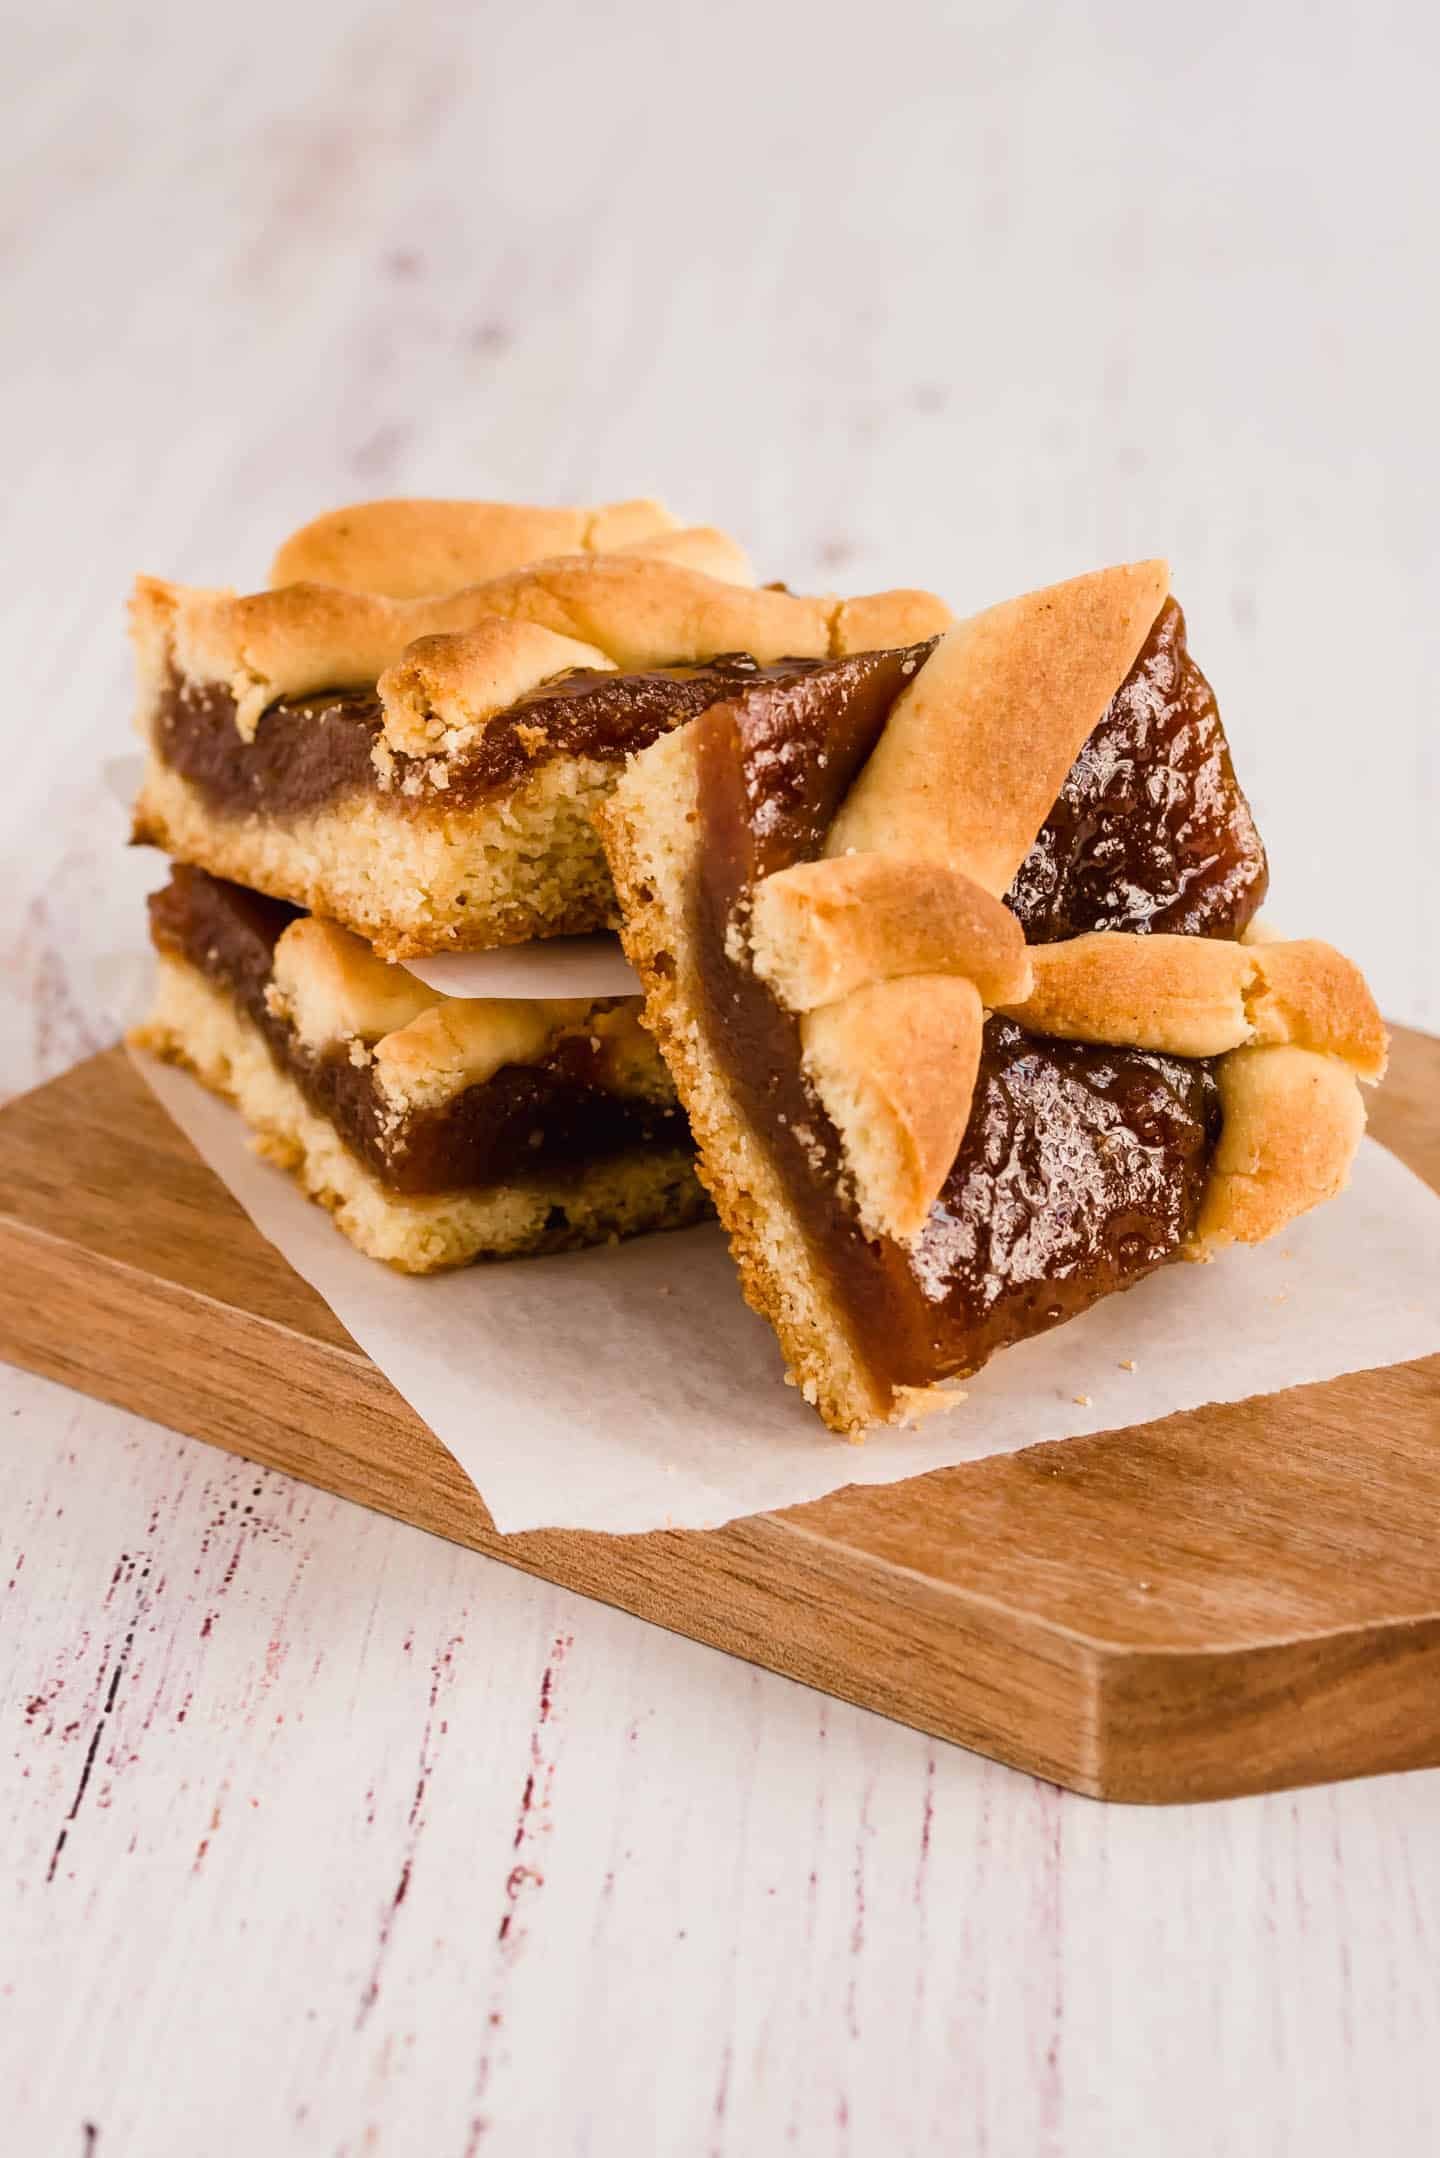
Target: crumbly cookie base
(651, 826)
(195, 1025)
(411, 878)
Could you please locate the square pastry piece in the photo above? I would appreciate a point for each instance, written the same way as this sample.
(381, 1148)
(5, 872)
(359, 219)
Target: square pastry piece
(947, 949)
(423, 770)
(435, 1129)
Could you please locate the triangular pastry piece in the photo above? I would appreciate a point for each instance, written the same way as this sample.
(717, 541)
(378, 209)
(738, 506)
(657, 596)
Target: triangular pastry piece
(942, 948)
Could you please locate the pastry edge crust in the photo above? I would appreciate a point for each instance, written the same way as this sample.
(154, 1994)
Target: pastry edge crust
(196, 1026)
(645, 825)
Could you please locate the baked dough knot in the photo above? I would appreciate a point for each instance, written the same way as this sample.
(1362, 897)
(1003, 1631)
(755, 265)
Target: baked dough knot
(893, 946)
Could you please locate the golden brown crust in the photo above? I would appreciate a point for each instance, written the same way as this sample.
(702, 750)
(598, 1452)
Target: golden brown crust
(439, 697)
(1201, 996)
(881, 621)
(411, 549)
(1293, 1121)
(1185, 995)
(975, 750)
(894, 1064)
(702, 547)
(824, 928)
(460, 1042)
(1309, 994)
(647, 613)
(332, 988)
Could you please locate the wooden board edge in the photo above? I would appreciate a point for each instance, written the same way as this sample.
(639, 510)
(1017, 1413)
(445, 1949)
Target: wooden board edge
(1135, 1726)
(755, 1589)
(764, 1590)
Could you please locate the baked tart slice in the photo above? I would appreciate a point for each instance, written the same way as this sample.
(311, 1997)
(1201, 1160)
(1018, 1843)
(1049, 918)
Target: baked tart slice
(435, 1129)
(949, 949)
(422, 770)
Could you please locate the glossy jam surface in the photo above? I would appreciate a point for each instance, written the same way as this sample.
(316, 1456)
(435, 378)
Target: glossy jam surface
(1151, 831)
(311, 751)
(1082, 1167)
(527, 1120)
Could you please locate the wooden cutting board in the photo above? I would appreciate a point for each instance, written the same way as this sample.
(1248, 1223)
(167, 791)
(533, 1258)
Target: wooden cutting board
(1236, 1599)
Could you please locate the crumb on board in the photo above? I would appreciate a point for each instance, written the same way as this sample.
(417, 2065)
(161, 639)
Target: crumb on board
(1127, 1363)
(1081, 1401)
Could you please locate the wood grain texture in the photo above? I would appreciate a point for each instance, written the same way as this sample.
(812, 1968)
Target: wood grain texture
(1236, 1599)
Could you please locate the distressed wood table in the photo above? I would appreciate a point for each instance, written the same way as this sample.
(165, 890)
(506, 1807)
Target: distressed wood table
(323, 1836)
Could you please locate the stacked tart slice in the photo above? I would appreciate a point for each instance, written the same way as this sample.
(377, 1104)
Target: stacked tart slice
(951, 950)
(436, 1129)
(387, 766)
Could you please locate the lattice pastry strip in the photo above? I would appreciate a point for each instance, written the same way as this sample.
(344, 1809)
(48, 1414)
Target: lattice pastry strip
(1201, 996)
(412, 549)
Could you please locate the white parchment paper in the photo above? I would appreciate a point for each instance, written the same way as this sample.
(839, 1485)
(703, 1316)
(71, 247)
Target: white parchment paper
(553, 967)
(630, 1388)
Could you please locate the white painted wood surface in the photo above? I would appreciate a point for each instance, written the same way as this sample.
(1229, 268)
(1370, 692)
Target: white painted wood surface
(322, 1837)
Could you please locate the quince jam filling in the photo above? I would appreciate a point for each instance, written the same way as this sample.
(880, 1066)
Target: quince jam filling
(545, 1121)
(1082, 1167)
(311, 751)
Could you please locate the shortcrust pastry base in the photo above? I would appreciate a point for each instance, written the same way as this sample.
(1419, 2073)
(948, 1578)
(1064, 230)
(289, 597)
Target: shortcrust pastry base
(193, 1024)
(411, 879)
(650, 826)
